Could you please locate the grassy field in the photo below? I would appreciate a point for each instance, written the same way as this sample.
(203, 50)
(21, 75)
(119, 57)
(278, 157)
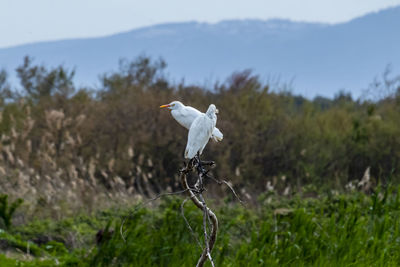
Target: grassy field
(352, 229)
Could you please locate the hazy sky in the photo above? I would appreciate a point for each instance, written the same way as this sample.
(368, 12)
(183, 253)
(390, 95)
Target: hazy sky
(24, 21)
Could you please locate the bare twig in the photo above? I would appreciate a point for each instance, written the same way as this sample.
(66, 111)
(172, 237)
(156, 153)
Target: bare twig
(144, 204)
(205, 216)
(233, 191)
(220, 182)
(276, 230)
(188, 225)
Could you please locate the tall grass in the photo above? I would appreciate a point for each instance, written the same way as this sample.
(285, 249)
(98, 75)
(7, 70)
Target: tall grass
(333, 230)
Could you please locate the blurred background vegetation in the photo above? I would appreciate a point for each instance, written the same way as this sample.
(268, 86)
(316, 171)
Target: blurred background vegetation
(66, 150)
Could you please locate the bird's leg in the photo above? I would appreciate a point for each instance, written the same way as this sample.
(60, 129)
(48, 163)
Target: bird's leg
(195, 162)
(191, 163)
(200, 171)
(198, 159)
(199, 166)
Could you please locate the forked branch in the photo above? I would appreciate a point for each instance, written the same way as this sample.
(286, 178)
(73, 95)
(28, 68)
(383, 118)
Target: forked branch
(196, 196)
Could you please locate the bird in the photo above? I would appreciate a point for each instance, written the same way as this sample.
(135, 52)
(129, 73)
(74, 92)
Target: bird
(200, 132)
(185, 115)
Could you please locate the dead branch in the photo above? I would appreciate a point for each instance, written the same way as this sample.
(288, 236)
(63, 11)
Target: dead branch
(196, 196)
(195, 193)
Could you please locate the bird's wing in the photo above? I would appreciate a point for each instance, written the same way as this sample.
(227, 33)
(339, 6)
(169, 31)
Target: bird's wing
(199, 133)
(193, 111)
(217, 135)
(185, 116)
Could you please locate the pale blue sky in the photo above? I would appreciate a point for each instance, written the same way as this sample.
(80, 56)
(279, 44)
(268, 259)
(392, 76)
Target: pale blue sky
(25, 21)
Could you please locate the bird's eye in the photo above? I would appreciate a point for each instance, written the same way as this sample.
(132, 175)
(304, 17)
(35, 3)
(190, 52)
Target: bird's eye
(173, 105)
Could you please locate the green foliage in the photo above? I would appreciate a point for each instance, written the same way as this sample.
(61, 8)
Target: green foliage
(151, 240)
(55, 248)
(7, 211)
(15, 242)
(333, 230)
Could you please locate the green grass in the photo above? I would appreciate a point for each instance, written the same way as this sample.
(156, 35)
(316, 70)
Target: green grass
(344, 230)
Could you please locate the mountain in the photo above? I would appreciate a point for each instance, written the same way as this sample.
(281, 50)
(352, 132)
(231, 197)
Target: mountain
(317, 59)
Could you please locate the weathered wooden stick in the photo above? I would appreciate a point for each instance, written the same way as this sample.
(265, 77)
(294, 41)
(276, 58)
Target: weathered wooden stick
(206, 210)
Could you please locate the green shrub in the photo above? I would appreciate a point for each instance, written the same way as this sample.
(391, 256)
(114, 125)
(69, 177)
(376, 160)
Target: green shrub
(7, 211)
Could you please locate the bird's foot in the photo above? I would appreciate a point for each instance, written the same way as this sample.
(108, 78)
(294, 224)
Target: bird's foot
(191, 164)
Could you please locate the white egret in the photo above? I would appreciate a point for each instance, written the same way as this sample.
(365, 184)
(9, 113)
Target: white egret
(185, 115)
(200, 132)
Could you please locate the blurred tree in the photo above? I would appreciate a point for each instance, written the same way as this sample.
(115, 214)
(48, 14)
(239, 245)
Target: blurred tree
(118, 132)
(38, 82)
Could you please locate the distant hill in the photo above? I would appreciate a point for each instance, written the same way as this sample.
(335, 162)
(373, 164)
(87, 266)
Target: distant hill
(318, 58)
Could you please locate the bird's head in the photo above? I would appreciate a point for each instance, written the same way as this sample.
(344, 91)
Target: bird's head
(212, 110)
(173, 105)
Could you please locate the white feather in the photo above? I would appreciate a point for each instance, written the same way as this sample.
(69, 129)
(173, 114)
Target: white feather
(200, 132)
(185, 116)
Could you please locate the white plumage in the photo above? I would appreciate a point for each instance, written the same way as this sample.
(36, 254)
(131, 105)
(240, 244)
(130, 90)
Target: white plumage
(185, 116)
(200, 132)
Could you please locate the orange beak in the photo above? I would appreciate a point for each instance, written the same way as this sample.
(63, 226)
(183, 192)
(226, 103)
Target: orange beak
(165, 106)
